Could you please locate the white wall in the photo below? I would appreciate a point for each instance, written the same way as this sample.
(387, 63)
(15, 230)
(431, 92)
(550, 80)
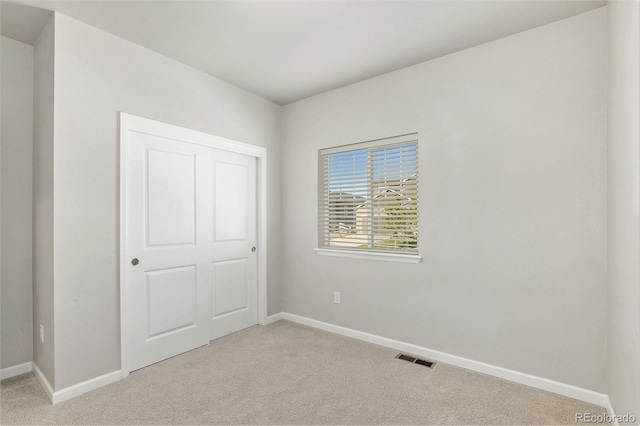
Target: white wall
(43, 114)
(624, 207)
(512, 204)
(17, 149)
(97, 75)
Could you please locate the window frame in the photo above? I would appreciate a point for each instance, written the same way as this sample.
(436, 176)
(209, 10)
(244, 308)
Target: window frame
(322, 247)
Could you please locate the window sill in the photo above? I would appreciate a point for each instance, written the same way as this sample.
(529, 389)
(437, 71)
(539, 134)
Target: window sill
(357, 254)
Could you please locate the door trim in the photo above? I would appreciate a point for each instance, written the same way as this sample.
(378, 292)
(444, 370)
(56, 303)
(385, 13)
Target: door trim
(132, 123)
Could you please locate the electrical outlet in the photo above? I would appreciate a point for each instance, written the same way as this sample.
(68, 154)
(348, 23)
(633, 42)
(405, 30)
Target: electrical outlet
(336, 297)
(42, 333)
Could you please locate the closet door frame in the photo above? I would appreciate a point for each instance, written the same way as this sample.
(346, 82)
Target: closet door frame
(131, 123)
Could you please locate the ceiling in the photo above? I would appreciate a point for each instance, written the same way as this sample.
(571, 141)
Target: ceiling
(22, 23)
(288, 50)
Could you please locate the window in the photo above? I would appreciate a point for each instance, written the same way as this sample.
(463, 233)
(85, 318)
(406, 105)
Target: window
(368, 197)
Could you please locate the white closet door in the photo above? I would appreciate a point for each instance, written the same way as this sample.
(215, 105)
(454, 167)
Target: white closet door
(168, 237)
(190, 221)
(234, 292)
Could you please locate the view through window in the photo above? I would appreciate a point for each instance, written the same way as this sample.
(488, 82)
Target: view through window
(369, 196)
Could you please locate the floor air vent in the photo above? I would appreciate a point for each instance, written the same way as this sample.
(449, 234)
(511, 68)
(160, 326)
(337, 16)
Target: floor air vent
(415, 360)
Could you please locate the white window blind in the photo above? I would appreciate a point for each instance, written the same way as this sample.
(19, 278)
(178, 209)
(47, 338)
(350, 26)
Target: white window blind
(368, 197)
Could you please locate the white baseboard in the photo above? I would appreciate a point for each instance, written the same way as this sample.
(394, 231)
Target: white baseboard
(503, 373)
(75, 390)
(46, 386)
(564, 389)
(275, 317)
(87, 386)
(612, 413)
(16, 370)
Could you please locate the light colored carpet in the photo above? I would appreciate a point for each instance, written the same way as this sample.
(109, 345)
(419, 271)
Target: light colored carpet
(287, 373)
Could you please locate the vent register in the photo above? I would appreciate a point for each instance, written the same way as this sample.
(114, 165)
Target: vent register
(415, 360)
